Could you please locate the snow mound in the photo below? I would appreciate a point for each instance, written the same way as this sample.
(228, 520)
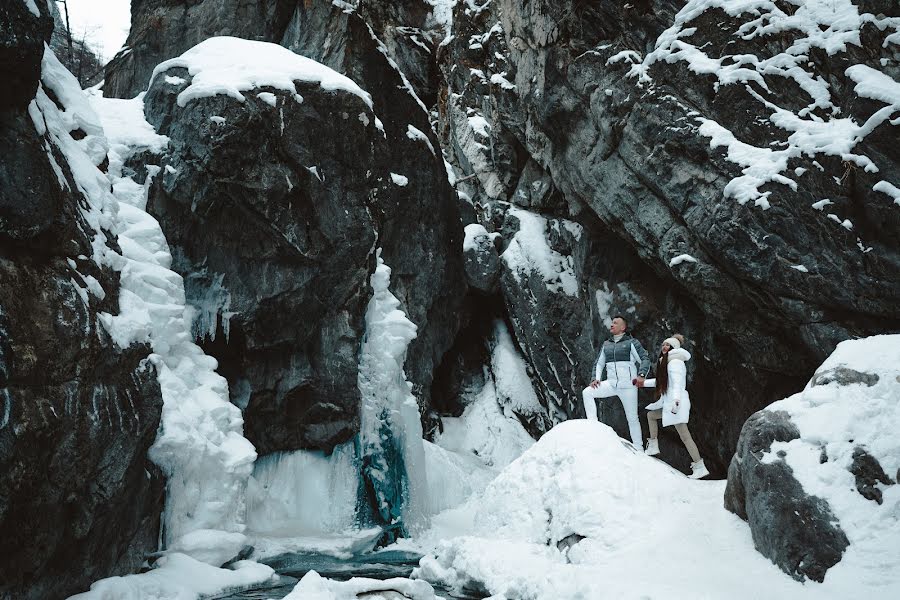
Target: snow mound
(315, 587)
(852, 403)
(646, 530)
(178, 577)
(229, 66)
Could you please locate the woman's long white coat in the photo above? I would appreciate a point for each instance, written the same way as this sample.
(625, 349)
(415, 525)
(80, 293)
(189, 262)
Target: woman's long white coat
(677, 390)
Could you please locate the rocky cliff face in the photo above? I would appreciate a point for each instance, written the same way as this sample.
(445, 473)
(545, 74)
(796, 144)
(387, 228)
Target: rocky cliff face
(276, 246)
(80, 498)
(766, 243)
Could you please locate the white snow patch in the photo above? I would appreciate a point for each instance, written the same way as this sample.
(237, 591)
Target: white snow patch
(529, 252)
(681, 258)
(268, 97)
(173, 80)
(229, 66)
(800, 268)
(475, 234)
(501, 80)
(399, 180)
(178, 577)
(416, 134)
(821, 204)
(315, 587)
(217, 119)
(888, 188)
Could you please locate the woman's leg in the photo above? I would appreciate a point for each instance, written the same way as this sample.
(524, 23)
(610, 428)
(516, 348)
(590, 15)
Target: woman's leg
(685, 435)
(652, 417)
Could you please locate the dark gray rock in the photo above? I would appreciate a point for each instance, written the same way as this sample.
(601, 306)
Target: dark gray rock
(280, 272)
(79, 499)
(22, 39)
(482, 264)
(868, 473)
(421, 235)
(574, 137)
(843, 376)
(275, 247)
(796, 531)
(569, 541)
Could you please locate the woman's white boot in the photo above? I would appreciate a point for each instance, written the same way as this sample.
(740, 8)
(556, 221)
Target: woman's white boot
(698, 470)
(652, 447)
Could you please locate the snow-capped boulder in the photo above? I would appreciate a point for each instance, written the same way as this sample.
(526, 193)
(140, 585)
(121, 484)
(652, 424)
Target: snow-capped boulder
(815, 474)
(161, 29)
(276, 243)
(481, 260)
(80, 500)
(750, 205)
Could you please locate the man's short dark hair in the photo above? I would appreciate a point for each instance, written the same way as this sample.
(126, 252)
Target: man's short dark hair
(624, 320)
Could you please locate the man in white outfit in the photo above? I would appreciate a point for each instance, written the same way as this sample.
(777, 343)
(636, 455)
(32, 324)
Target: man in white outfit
(624, 359)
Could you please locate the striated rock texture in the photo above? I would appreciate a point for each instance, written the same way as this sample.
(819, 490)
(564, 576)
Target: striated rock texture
(79, 500)
(745, 205)
(163, 29)
(276, 245)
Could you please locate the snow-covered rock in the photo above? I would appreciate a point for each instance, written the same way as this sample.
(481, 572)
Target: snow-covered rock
(815, 474)
(481, 259)
(582, 515)
(78, 409)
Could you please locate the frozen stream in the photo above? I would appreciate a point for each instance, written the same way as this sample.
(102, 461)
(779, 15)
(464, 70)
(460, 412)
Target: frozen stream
(293, 566)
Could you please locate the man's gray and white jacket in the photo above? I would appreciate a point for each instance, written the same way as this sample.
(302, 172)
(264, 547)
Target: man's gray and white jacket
(619, 360)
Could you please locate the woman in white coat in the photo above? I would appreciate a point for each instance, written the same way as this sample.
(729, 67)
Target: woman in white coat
(673, 403)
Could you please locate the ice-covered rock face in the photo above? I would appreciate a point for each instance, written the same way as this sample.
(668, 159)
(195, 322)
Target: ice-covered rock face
(276, 244)
(754, 137)
(815, 474)
(78, 411)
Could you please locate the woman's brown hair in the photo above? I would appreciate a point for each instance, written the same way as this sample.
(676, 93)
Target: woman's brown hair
(662, 375)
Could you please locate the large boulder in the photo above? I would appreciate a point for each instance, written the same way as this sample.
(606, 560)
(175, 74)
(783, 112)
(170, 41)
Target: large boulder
(767, 243)
(276, 246)
(80, 500)
(814, 474)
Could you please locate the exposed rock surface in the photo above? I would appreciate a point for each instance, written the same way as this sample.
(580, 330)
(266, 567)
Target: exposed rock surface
(80, 500)
(481, 260)
(794, 529)
(809, 471)
(276, 246)
(571, 110)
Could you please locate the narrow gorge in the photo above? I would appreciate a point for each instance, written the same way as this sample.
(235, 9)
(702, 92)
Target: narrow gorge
(306, 291)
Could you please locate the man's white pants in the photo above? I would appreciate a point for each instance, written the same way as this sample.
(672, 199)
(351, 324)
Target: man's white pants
(629, 398)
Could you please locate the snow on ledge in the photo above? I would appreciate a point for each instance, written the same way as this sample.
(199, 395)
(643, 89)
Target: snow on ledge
(228, 65)
(529, 252)
(681, 258)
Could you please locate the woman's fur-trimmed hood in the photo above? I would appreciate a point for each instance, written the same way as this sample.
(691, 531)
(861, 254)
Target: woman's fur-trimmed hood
(679, 354)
